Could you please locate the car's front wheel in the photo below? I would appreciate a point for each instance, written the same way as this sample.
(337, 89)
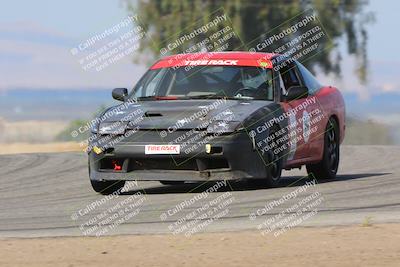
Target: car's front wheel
(275, 161)
(107, 187)
(328, 166)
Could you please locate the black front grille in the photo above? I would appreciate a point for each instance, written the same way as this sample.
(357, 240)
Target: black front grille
(132, 164)
(162, 164)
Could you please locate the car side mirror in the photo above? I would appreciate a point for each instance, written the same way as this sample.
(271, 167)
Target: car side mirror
(120, 94)
(296, 92)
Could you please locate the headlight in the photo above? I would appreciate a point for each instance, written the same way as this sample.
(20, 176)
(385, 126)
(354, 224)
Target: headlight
(115, 127)
(223, 127)
(94, 127)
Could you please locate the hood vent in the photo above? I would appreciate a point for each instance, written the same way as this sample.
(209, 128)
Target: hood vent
(152, 114)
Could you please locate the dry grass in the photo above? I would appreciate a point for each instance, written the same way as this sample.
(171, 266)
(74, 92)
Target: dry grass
(16, 148)
(30, 131)
(359, 132)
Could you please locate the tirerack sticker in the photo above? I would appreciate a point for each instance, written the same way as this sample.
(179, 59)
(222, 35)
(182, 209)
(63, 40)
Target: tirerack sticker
(263, 63)
(161, 149)
(210, 62)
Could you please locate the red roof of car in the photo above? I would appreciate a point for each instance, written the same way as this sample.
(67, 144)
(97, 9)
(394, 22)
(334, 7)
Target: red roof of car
(217, 59)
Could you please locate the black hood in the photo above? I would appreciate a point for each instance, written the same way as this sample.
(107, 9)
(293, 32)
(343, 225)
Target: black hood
(187, 114)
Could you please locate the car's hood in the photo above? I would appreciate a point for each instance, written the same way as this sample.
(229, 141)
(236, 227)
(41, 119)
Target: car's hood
(183, 114)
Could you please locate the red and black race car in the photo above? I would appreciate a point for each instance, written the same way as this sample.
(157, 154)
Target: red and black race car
(218, 116)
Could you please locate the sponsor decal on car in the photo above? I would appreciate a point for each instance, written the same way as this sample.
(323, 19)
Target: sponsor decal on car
(306, 126)
(292, 134)
(161, 149)
(210, 62)
(265, 63)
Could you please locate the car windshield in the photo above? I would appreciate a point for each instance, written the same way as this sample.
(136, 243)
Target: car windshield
(238, 82)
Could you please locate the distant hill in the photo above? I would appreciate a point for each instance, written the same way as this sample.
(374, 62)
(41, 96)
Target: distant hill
(67, 104)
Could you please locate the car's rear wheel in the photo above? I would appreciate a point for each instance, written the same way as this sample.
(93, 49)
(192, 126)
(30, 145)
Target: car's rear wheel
(328, 166)
(107, 187)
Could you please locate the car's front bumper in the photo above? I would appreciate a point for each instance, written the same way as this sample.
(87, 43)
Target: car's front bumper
(232, 157)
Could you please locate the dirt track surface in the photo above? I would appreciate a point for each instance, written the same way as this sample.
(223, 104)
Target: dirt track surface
(376, 245)
(42, 194)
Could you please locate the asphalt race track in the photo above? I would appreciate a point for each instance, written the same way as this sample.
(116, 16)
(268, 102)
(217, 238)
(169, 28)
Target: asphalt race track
(45, 194)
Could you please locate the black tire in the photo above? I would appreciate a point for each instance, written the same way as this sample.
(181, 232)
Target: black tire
(171, 182)
(328, 166)
(107, 187)
(275, 162)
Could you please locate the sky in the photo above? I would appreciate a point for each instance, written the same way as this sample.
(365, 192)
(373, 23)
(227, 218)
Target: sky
(36, 38)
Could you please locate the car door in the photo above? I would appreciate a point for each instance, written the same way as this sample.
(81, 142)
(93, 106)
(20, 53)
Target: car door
(298, 111)
(317, 115)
